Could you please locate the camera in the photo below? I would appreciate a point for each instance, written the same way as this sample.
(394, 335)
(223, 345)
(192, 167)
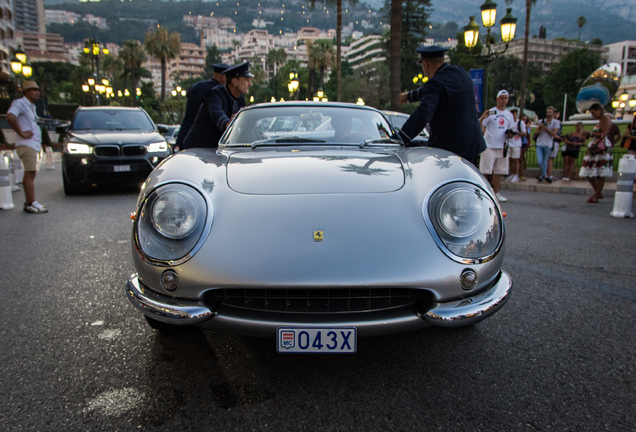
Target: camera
(511, 132)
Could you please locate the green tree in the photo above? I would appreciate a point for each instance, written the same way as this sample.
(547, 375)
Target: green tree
(274, 59)
(409, 21)
(133, 57)
(212, 56)
(580, 21)
(566, 77)
(164, 46)
(322, 56)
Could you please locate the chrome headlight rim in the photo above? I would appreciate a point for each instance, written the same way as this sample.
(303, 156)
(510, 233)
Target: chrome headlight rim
(202, 232)
(451, 186)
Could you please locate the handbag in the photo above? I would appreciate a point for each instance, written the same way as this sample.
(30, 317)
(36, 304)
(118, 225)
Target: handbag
(597, 147)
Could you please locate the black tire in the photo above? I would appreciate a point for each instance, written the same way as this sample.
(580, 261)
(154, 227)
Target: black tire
(161, 326)
(70, 188)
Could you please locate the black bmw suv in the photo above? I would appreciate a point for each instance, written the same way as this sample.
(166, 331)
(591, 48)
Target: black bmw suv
(109, 145)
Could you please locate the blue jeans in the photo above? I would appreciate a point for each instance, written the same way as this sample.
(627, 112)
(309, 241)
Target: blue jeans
(543, 154)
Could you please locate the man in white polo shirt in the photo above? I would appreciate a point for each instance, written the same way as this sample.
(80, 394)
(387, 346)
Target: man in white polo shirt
(28, 143)
(494, 161)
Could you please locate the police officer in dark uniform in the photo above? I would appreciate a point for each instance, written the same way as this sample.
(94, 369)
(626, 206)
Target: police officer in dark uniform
(447, 103)
(219, 107)
(195, 96)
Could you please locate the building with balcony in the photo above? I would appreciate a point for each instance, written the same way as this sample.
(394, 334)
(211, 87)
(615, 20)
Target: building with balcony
(365, 51)
(545, 52)
(7, 38)
(29, 16)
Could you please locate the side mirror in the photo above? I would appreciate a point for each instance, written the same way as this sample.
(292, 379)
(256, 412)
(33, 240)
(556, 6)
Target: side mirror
(163, 129)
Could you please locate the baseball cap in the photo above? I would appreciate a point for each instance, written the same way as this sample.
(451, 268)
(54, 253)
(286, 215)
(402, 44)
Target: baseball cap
(503, 93)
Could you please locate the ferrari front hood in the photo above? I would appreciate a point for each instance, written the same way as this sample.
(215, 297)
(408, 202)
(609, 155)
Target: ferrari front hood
(314, 172)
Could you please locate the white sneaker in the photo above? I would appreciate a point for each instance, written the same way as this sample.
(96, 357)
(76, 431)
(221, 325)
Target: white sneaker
(566, 179)
(514, 179)
(35, 207)
(509, 178)
(501, 198)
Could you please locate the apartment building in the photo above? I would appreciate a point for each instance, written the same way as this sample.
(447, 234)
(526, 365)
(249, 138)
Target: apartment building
(547, 52)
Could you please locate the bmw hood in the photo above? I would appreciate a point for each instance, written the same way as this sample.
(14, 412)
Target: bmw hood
(117, 137)
(314, 172)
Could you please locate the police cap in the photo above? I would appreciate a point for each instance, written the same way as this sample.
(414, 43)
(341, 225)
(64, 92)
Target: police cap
(432, 51)
(220, 67)
(239, 70)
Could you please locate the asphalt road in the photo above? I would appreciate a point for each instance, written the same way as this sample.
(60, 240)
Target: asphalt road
(76, 356)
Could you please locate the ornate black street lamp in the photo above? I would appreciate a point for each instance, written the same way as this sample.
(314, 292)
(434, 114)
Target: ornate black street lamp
(489, 18)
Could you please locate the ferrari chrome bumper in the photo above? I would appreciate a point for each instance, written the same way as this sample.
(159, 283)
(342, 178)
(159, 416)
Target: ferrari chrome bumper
(451, 314)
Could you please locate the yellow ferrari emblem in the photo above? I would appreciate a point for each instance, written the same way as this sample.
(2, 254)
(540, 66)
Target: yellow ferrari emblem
(319, 236)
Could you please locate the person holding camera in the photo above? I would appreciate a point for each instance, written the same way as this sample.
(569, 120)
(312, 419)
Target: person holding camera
(499, 123)
(518, 132)
(545, 134)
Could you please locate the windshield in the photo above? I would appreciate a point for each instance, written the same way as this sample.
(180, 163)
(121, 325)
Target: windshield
(312, 123)
(111, 119)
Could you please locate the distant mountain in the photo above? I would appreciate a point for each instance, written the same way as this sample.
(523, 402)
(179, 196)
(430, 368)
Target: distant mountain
(614, 22)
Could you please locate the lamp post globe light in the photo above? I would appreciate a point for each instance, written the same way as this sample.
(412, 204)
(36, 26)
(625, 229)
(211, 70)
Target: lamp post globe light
(21, 67)
(471, 36)
(94, 51)
(293, 84)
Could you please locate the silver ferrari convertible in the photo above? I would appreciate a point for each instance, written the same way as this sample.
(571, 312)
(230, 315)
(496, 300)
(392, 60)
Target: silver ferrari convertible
(312, 224)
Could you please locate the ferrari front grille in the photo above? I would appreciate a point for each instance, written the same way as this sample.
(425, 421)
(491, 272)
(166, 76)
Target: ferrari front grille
(319, 301)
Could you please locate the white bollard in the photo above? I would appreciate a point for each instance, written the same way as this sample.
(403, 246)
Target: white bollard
(6, 200)
(18, 168)
(49, 158)
(8, 155)
(624, 188)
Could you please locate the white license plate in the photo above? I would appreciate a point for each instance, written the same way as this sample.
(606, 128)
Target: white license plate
(121, 168)
(316, 340)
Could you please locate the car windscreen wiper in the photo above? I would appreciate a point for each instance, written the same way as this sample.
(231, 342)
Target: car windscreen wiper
(284, 140)
(385, 140)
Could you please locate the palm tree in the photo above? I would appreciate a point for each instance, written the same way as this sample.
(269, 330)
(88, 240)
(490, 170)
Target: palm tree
(524, 62)
(133, 56)
(580, 21)
(165, 47)
(274, 59)
(338, 61)
(395, 54)
(322, 57)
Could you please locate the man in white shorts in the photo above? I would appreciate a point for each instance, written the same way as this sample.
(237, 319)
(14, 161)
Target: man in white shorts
(23, 120)
(494, 161)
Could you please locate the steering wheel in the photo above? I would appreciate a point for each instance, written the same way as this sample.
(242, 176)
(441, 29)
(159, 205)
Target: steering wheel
(355, 137)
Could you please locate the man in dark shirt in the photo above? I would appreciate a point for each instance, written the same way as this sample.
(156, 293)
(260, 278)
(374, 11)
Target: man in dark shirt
(219, 107)
(447, 103)
(195, 96)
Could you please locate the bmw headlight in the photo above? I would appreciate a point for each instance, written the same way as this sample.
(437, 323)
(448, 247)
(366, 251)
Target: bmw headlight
(158, 147)
(77, 148)
(171, 221)
(466, 220)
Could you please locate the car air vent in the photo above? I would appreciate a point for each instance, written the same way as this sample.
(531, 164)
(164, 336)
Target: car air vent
(320, 300)
(107, 151)
(134, 150)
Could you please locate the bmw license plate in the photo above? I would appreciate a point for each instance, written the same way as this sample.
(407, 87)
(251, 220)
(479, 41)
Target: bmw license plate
(314, 340)
(121, 168)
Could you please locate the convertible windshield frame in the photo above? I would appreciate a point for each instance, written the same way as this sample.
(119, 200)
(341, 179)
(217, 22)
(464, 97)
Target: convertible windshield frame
(312, 124)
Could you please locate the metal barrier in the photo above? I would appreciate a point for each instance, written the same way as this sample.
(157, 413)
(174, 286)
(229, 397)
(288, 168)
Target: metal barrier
(531, 158)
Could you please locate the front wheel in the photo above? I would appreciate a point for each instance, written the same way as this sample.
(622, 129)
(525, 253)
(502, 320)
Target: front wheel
(70, 188)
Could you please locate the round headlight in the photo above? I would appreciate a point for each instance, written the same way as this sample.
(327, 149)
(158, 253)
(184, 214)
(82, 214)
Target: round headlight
(466, 220)
(171, 221)
(174, 213)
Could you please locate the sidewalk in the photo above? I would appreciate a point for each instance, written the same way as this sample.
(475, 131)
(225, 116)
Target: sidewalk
(574, 187)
